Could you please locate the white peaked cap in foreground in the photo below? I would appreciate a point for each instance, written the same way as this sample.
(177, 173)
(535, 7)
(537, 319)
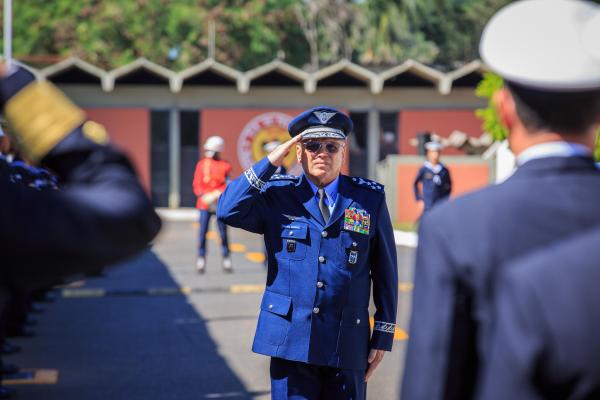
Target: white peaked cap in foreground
(551, 45)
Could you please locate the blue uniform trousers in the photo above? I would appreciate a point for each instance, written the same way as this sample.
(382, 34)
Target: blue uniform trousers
(296, 380)
(204, 222)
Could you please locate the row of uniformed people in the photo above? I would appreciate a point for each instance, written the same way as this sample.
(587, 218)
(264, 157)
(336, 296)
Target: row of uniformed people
(17, 303)
(99, 217)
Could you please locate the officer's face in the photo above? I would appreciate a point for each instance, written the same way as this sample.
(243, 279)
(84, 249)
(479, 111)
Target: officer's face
(321, 159)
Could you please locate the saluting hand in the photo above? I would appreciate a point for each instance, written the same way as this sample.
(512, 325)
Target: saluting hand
(277, 156)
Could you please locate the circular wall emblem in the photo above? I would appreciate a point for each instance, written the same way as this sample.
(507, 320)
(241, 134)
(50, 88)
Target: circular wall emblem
(261, 130)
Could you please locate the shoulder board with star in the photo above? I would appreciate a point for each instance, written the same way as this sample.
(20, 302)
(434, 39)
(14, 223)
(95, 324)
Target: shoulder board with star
(367, 183)
(279, 177)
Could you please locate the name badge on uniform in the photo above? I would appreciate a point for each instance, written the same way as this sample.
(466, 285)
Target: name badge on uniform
(353, 257)
(357, 220)
(290, 246)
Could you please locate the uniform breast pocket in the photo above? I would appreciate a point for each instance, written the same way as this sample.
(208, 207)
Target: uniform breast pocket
(295, 239)
(355, 248)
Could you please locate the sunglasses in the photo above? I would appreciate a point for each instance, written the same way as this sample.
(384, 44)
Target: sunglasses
(330, 147)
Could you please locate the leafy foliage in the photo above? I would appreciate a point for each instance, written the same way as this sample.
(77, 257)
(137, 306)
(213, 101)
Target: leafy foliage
(491, 121)
(307, 33)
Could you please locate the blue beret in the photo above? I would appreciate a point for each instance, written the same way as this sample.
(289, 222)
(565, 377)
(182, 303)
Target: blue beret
(321, 122)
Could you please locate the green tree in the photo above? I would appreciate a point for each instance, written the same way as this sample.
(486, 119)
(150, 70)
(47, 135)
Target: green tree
(489, 115)
(387, 35)
(455, 26)
(375, 33)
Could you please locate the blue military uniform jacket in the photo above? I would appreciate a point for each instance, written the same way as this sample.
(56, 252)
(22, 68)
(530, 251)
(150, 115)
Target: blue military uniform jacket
(547, 324)
(462, 245)
(315, 307)
(436, 182)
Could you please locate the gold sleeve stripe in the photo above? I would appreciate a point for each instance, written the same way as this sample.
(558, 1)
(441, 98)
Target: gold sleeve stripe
(41, 116)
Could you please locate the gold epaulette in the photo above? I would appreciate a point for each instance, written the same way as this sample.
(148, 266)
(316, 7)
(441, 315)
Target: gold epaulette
(40, 116)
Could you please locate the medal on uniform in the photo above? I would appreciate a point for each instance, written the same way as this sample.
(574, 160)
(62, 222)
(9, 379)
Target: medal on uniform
(291, 246)
(353, 257)
(357, 220)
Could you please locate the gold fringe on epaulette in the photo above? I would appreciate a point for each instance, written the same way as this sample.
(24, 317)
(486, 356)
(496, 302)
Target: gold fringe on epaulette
(41, 116)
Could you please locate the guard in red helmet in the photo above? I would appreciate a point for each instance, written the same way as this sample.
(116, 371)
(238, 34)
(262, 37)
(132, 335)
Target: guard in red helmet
(210, 180)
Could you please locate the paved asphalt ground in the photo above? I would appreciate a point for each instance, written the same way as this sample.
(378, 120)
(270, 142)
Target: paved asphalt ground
(154, 329)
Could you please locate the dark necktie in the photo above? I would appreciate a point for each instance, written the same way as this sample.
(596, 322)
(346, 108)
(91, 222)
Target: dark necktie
(322, 206)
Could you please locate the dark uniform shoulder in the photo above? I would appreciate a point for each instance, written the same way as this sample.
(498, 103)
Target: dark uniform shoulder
(367, 183)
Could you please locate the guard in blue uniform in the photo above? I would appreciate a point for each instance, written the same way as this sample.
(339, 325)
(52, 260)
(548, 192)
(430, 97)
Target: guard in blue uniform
(328, 238)
(433, 177)
(547, 323)
(551, 107)
(103, 214)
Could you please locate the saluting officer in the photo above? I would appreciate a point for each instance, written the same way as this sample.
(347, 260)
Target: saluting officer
(548, 53)
(433, 177)
(328, 237)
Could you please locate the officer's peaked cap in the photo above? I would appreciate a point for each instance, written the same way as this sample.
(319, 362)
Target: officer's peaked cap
(551, 45)
(321, 122)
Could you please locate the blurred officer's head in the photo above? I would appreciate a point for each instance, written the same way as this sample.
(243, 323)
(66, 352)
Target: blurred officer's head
(321, 159)
(553, 91)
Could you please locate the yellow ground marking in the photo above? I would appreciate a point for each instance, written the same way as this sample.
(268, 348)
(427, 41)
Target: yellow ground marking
(399, 334)
(40, 377)
(237, 247)
(211, 235)
(186, 290)
(246, 288)
(405, 286)
(195, 225)
(256, 257)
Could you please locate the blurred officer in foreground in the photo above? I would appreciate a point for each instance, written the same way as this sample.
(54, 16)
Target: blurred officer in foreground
(548, 54)
(210, 180)
(102, 215)
(434, 179)
(547, 324)
(328, 236)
